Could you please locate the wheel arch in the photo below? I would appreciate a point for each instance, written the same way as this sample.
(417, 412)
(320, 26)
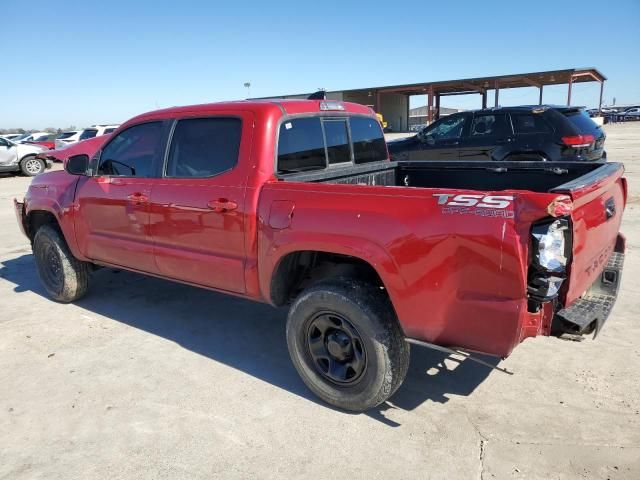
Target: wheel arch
(298, 269)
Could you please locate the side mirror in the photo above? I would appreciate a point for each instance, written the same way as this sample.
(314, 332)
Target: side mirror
(77, 164)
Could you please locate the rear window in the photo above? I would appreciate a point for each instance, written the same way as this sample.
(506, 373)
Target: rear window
(368, 140)
(581, 120)
(301, 145)
(108, 130)
(88, 133)
(66, 135)
(337, 136)
(529, 123)
(313, 143)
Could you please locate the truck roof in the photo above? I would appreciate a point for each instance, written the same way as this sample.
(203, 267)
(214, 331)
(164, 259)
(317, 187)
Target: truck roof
(285, 107)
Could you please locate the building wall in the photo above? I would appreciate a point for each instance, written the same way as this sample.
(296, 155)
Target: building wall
(394, 108)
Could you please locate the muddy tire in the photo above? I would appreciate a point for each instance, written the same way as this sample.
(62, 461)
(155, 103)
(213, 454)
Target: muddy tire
(345, 342)
(64, 277)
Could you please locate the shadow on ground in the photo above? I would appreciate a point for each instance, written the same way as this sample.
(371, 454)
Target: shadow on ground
(245, 335)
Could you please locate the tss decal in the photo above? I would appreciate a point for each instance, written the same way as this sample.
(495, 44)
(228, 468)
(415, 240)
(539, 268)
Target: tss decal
(480, 201)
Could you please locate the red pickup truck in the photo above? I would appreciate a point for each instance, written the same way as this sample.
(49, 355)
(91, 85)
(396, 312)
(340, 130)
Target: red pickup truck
(296, 202)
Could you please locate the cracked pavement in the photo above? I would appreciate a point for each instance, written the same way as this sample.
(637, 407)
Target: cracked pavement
(148, 379)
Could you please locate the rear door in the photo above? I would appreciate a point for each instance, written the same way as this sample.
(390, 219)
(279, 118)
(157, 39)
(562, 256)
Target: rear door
(598, 202)
(490, 136)
(198, 211)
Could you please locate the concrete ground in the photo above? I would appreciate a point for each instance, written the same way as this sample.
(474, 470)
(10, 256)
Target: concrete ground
(144, 378)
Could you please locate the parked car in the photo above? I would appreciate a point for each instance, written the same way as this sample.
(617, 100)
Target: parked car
(295, 203)
(632, 113)
(507, 133)
(11, 136)
(21, 157)
(67, 138)
(88, 147)
(90, 132)
(28, 137)
(96, 131)
(47, 140)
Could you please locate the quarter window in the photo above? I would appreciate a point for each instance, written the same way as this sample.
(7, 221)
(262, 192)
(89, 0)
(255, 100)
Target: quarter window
(204, 147)
(525, 123)
(132, 152)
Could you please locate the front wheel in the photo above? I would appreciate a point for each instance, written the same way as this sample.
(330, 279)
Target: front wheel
(64, 277)
(346, 344)
(32, 166)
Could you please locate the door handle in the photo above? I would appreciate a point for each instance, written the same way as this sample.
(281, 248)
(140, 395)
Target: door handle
(222, 205)
(138, 198)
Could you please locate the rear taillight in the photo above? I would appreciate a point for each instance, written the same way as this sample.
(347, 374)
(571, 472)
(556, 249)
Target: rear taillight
(577, 141)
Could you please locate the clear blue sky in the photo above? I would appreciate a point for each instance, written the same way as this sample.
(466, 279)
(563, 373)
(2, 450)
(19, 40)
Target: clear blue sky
(90, 62)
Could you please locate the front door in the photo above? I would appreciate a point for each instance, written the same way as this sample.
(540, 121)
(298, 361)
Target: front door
(112, 223)
(8, 153)
(198, 213)
(440, 140)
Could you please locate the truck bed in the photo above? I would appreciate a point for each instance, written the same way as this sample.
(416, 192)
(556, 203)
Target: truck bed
(532, 176)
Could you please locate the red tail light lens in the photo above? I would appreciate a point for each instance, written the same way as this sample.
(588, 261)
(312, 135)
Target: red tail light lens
(578, 140)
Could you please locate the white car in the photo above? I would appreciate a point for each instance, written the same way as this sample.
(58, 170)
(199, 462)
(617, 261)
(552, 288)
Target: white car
(22, 157)
(89, 132)
(11, 136)
(67, 138)
(32, 136)
(632, 113)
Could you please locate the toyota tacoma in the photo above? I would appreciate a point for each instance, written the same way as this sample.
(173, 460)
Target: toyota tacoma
(297, 203)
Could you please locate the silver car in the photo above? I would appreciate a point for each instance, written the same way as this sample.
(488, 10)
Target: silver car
(22, 157)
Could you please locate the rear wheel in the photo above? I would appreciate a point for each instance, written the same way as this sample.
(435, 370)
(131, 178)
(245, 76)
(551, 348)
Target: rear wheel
(32, 166)
(346, 344)
(65, 278)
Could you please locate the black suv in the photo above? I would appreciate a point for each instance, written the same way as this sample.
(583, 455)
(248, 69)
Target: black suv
(547, 133)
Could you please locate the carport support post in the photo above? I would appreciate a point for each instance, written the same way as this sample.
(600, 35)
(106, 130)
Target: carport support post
(600, 102)
(437, 106)
(540, 99)
(569, 93)
(497, 87)
(484, 99)
(430, 105)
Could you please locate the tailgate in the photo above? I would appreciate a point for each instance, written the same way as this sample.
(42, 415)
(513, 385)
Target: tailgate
(598, 198)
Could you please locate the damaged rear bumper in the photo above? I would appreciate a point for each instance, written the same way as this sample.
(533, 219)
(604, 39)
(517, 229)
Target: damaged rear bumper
(589, 313)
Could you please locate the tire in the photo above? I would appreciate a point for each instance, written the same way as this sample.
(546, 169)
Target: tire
(32, 166)
(64, 277)
(345, 342)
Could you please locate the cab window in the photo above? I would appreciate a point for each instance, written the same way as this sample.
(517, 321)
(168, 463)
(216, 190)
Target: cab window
(132, 152)
(204, 147)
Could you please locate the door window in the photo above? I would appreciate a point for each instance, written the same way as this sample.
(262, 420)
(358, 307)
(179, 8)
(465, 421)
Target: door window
(132, 152)
(490, 125)
(448, 128)
(204, 147)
